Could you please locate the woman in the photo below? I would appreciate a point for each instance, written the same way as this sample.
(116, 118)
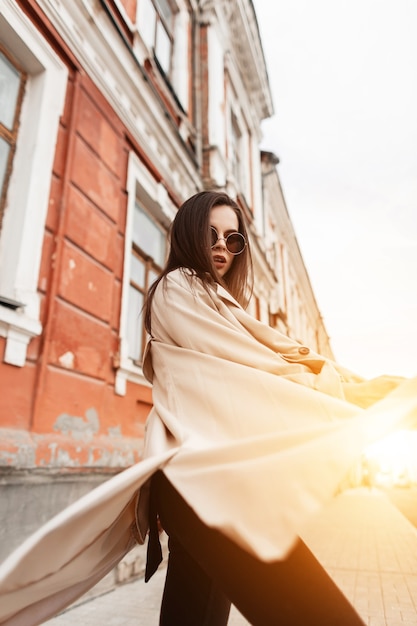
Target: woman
(206, 569)
(247, 438)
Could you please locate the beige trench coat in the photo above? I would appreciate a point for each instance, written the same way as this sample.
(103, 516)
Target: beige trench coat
(250, 427)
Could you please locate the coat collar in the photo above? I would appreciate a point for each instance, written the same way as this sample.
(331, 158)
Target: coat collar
(225, 295)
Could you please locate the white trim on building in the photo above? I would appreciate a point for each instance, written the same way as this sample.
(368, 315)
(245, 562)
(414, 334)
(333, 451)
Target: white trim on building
(142, 187)
(28, 193)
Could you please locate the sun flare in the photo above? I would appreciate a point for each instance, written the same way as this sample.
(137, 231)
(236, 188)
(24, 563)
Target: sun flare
(392, 461)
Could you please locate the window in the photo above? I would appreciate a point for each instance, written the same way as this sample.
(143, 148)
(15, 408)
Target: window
(164, 30)
(240, 155)
(147, 258)
(149, 214)
(12, 83)
(236, 149)
(29, 116)
(156, 24)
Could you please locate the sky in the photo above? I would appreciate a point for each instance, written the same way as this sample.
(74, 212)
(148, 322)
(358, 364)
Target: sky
(343, 77)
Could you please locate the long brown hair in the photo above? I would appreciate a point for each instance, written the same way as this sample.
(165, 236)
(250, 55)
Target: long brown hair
(190, 248)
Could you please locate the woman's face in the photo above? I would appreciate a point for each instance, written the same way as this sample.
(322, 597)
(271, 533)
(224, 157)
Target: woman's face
(225, 221)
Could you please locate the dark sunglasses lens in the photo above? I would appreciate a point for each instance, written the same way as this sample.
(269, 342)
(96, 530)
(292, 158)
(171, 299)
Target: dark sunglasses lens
(214, 236)
(235, 243)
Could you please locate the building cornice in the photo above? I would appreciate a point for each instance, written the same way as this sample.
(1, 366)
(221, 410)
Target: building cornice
(240, 18)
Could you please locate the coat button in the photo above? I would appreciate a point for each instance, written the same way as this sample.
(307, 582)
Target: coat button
(304, 350)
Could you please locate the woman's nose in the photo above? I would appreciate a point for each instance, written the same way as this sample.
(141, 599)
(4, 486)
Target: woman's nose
(220, 243)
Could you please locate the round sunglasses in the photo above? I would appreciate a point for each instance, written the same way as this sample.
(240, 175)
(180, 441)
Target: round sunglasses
(235, 242)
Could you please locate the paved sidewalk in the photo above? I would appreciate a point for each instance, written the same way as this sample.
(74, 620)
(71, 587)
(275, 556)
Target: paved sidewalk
(363, 541)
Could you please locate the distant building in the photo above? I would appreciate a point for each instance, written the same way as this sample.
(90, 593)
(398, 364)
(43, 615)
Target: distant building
(292, 306)
(112, 113)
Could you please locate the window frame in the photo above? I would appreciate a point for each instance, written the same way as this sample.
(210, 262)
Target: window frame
(177, 82)
(150, 265)
(153, 198)
(160, 21)
(23, 227)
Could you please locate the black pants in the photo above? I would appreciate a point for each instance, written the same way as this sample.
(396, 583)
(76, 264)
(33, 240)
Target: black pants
(207, 571)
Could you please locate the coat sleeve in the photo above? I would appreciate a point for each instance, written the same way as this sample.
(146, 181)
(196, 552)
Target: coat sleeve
(187, 315)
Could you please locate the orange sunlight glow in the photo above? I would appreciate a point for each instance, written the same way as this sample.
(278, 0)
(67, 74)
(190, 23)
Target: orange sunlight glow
(392, 461)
